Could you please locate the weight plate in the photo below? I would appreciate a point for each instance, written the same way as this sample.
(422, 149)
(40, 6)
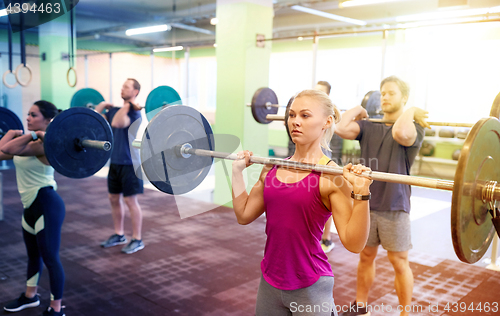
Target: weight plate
(87, 97)
(371, 103)
(9, 120)
(495, 108)
(471, 226)
(427, 148)
(260, 98)
(159, 98)
(64, 132)
(162, 163)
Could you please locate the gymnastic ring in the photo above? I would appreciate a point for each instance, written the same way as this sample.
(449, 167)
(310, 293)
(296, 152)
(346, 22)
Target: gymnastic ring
(24, 84)
(8, 71)
(67, 77)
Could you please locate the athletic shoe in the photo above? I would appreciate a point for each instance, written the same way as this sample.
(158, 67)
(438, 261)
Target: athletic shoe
(51, 312)
(327, 245)
(21, 303)
(134, 246)
(114, 240)
(355, 310)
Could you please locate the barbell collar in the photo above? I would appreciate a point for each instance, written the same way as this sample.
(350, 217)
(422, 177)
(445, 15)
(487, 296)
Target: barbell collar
(97, 144)
(275, 117)
(136, 143)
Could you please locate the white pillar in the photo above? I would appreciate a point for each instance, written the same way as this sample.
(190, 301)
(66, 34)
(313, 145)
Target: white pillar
(384, 46)
(314, 60)
(152, 70)
(86, 71)
(186, 59)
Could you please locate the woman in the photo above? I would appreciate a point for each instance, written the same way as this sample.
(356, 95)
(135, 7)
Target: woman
(297, 278)
(43, 208)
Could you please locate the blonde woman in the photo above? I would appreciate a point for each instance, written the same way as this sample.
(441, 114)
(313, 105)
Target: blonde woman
(297, 278)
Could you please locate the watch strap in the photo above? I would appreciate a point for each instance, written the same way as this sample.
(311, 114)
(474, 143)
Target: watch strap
(360, 197)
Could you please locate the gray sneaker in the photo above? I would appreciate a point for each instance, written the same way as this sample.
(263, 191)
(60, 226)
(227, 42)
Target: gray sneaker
(114, 240)
(134, 246)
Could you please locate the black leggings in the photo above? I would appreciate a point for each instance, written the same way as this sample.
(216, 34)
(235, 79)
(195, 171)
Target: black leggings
(42, 223)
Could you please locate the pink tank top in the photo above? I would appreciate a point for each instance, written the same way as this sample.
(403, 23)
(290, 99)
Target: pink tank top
(295, 218)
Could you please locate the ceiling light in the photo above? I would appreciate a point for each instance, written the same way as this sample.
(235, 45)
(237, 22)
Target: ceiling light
(214, 21)
(447, 14)
(167, 49)
(353, 3)
(328, 15)
(148, 29)
(192, 28)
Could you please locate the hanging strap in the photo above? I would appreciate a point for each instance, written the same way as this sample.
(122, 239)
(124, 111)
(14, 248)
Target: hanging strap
(10, 46)
(71, 41)
(23, 42)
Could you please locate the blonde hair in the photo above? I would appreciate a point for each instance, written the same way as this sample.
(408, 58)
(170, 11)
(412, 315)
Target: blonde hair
(330, 109)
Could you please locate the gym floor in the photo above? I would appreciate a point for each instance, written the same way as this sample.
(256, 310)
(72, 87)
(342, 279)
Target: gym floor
(209, 265)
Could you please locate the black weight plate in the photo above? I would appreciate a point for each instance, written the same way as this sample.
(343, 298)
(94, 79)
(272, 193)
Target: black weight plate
(87, 98)
(9, 120)
(371, 103)
(260, 98)
(162, 163)
(59, 143)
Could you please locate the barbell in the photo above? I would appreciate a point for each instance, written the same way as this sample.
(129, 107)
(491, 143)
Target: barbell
(265, 105)
(177, 151)
(274, 117)
(264, 109)
(157, 99)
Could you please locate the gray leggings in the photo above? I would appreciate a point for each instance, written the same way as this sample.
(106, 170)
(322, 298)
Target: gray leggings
(315, 300)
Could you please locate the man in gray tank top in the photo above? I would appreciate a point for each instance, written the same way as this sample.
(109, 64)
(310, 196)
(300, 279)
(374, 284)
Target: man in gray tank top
(387, 148)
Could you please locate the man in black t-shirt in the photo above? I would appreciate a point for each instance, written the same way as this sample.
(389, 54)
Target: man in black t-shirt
(387, 148)
(123, 183)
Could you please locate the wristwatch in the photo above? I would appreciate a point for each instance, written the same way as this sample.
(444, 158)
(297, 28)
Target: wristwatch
(361, 197)
(33, 136)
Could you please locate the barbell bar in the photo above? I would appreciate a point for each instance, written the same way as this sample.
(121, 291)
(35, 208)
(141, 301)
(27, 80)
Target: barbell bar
(268, 105)
(177, 151)
(274, 117)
